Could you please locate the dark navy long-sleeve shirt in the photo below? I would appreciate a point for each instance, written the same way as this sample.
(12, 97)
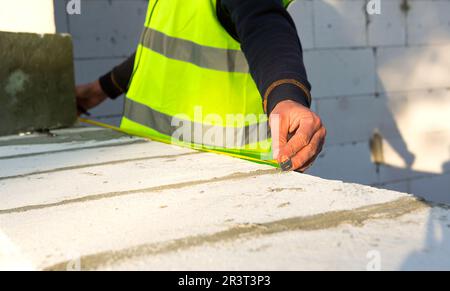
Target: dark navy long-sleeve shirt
(270, 42)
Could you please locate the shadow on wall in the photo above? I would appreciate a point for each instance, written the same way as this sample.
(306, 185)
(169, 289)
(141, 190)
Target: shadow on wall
(412, 119)
(437, 245)
(414, 124)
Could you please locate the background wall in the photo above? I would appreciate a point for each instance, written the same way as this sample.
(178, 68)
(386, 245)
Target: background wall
(104, 34)
(388, 73)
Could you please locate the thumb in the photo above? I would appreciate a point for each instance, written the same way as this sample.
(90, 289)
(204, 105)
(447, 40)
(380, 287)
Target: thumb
(298, 139)
(279, 127)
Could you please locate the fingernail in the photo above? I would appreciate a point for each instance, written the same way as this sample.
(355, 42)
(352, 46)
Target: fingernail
(286, 165)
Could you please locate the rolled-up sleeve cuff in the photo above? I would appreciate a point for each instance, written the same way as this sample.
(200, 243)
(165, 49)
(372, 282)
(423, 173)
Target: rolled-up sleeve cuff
(286, 89)
(110, 86)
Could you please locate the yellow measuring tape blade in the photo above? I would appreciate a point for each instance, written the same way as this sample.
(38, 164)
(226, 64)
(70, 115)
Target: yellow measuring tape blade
(272, 163)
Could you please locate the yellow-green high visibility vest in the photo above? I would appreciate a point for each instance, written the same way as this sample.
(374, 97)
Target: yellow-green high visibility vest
(191, 82)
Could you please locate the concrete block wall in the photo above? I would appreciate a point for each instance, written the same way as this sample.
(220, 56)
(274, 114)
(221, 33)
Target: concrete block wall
(387, 72)
(105, 34)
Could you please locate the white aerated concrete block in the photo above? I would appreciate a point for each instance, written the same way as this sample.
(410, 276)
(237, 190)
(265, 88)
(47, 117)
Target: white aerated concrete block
(340, 23)
(61, 16)
(421, 111)
(107, 28)
(435, 188)
(423, 148)
(303, 14)
(350, 119)
(402, 186)
(91, 69)
(126, 208)
(349, 162)
(413, 68)
(429, 22)
(389, 27)
(399, 160)
(341, 72)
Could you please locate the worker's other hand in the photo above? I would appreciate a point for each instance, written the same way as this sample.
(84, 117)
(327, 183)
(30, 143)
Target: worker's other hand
(88, 96)
(298, 135)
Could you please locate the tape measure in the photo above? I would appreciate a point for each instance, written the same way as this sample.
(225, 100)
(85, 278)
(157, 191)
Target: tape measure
(272, 163)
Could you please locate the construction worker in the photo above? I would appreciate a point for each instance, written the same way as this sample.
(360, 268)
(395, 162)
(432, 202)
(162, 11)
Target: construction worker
(225, 57)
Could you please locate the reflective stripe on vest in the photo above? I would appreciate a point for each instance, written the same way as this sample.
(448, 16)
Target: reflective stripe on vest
(226, 60)
(168, 125)
(187, 60)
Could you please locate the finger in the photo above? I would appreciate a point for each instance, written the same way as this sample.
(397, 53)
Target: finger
(78, 107)
(81, 110)
(310, 152)
(310, 163)
(279, 128)
(300, 139)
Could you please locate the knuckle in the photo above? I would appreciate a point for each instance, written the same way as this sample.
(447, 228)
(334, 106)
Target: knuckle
(309, 120)
(315, 152)
(297, 165)
(302, 140)
(318, 122)
(290, 150)
(324, 132)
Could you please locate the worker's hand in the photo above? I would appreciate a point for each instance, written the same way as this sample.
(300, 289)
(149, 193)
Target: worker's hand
(88, 96)
(298, 135)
